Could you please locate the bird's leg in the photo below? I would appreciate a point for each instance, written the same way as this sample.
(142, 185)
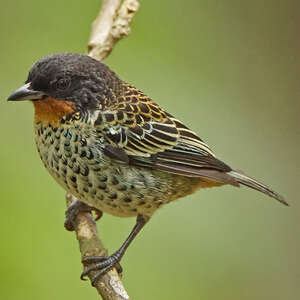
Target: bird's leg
(74, 209)
(103, 264)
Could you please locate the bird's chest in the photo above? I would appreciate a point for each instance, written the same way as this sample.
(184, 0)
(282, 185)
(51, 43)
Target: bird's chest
(70, 156)
(75, 159)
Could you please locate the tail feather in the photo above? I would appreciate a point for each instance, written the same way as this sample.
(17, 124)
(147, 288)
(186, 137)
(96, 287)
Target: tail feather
(254, 184)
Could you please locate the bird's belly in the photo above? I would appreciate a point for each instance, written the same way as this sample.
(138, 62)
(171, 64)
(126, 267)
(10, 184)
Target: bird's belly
(115, 188)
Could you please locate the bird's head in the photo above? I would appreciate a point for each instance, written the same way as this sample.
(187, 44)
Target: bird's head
(65, 83)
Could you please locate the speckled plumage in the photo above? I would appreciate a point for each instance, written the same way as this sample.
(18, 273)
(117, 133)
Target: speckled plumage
(112, 147)
(73, 156)
(110, 151)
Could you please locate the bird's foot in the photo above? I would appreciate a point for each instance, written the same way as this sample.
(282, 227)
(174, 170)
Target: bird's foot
(101, 264)
(74, 209)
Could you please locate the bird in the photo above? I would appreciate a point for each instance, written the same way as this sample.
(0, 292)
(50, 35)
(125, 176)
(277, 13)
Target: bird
(116, 150)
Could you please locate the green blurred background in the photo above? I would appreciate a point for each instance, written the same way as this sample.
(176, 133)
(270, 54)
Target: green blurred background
(230, 71)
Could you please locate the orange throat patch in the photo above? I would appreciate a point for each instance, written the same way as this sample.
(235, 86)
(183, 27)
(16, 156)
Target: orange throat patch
(51, 110)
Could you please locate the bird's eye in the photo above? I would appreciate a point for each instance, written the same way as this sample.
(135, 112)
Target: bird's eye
(63, 83)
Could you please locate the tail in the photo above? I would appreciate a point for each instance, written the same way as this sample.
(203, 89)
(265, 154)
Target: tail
(252, 183)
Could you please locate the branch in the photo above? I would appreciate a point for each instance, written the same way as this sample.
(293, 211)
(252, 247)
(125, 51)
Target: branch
(109, 286)
(111, 25)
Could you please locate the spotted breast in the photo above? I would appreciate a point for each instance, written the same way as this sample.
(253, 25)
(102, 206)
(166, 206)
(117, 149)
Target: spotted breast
(74, 156)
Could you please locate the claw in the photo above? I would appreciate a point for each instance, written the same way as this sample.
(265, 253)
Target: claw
(119, 268)
(98, 213)
(102, 264)
(74, 209)
(98, 275)
(91, 259)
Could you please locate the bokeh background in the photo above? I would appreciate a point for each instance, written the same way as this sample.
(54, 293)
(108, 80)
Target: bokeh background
(230, 70)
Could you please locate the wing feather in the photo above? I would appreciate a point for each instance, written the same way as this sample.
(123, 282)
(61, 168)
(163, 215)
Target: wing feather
(135, 130)
(152, 137)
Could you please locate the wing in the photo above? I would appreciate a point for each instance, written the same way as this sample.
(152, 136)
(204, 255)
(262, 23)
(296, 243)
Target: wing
(139, 132)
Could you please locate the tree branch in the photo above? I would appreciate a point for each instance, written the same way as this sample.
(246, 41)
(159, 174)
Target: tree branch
(109, 286)
(111, 25)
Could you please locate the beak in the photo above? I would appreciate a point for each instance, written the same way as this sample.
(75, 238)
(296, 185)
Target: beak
(25, 92)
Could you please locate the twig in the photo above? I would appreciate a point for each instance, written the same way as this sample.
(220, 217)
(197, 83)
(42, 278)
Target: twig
(109, 286)
(111, 25)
